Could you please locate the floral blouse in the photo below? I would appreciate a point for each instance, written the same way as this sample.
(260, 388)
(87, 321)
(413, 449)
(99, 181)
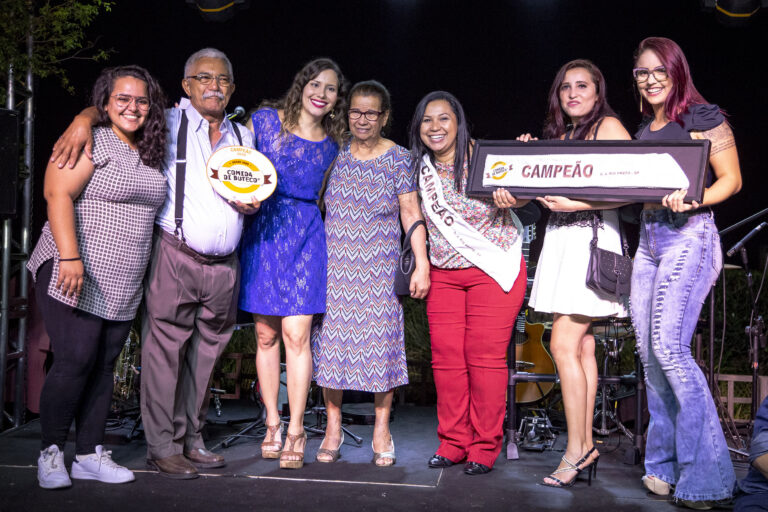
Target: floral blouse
(499, 225)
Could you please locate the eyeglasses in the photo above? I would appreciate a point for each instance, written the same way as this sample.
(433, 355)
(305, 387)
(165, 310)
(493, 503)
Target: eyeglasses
(206, 79)
(370, 115)
(641, 74)
(123, 100)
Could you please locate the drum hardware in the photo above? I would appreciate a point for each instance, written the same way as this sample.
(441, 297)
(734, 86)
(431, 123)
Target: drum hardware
(536, 432)
(216, 392)
(126, 389)
(252, 422)
(612, 347)
(126, 372)
(606, 420)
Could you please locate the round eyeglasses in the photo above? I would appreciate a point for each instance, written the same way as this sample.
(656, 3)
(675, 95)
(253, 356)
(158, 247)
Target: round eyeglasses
(123, 100)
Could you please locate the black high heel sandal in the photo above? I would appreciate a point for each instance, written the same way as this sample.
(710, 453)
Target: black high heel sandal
(592, 466)
(570, 466)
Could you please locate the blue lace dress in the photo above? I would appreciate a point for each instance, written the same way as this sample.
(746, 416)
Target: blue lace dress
(282, 252)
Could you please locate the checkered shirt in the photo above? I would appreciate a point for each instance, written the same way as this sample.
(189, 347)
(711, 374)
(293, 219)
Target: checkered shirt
(114, 218)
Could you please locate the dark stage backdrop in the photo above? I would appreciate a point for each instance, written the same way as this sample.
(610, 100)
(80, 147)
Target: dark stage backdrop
(498, 57)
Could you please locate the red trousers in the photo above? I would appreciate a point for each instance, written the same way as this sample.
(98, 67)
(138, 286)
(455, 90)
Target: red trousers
(470, 324)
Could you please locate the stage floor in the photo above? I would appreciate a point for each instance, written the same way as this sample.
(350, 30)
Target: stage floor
(249, 482)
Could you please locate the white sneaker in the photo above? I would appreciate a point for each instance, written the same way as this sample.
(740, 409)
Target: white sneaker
(51, 472)
(100, 466)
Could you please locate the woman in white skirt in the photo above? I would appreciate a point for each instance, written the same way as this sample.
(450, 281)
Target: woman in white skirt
(577, 110)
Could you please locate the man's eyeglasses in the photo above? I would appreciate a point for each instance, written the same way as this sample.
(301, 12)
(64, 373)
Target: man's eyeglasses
(123, 100)
(371, 115)
(206, 79)
(641, 74)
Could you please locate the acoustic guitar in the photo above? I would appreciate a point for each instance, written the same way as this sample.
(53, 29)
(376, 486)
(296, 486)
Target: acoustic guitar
(530, 354)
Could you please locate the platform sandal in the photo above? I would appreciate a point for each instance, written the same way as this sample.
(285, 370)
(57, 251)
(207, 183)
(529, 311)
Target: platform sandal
(271, 447)
(288, 450)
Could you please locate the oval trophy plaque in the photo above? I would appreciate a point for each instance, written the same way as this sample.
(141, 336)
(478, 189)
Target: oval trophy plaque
(238, 173)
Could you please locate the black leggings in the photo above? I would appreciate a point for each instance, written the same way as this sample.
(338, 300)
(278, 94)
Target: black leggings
(79, 383)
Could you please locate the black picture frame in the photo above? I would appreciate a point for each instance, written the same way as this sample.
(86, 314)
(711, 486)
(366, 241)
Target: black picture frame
(691, 155)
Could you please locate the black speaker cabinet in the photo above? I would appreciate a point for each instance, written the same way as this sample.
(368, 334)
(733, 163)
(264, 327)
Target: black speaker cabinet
(9, 161)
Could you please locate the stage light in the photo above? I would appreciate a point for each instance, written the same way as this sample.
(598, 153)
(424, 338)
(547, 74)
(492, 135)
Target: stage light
(733, 13)
(218, 10)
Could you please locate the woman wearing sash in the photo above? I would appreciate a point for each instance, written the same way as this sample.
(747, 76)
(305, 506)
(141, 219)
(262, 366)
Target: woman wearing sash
(478, 281)
(577, 110)
(677, 263)
(283, 252)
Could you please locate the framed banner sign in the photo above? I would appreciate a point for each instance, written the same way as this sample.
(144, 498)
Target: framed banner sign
(597, 170)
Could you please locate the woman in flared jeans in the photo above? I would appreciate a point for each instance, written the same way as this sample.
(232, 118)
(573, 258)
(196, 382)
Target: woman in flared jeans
(678, 260)
(677, 263)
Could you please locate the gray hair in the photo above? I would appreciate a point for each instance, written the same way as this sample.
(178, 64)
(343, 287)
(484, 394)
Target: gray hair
(210, 53)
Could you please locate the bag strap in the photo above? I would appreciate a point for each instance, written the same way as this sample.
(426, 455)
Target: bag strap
(181, 171)
(407, 247)
(410, 231)
(593, 243)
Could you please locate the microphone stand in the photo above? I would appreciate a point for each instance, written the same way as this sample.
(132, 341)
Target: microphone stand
(756, 333)
(756, 328)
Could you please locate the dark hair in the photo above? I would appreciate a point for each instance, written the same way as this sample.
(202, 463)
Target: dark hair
(334, 122)
(374, 88)
(682, 93)
(555, 124)
(463, 138)
(150, 138)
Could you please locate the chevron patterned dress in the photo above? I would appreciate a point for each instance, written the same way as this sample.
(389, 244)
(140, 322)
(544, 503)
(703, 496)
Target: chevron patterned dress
(361, 345)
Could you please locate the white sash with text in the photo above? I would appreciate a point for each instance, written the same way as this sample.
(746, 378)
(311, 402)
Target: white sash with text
(502, 266)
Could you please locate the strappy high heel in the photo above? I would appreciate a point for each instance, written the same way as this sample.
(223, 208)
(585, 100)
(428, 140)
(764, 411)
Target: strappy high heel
(271, 447)
(592, 466)
(288, 450)
(570, 466)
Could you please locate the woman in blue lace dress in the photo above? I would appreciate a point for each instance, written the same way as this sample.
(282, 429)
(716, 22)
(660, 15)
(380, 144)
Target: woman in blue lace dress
(283, 251)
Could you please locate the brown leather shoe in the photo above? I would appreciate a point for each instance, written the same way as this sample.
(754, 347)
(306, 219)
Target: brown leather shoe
(203, 459)
(175, 466)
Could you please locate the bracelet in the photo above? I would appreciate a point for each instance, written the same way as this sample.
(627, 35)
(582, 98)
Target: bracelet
(70, 259)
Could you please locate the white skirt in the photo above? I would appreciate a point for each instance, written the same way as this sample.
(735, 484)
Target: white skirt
(561, 272)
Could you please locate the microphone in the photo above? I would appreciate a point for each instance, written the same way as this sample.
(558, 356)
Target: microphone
(238, 113)
(744, 240)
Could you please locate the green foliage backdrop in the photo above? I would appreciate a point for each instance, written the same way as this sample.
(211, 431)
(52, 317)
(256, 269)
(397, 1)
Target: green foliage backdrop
(58, 30)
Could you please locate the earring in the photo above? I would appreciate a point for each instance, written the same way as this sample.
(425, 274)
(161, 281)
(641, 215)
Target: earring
(641, 104)
(332, 115)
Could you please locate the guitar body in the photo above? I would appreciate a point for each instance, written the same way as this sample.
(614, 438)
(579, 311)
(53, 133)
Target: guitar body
(532, 357)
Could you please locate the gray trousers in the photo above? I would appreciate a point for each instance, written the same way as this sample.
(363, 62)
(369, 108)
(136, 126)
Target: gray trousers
(189, 316)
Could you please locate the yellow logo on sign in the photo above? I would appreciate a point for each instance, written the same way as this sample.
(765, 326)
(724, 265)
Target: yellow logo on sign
(234, 188)
(497, 175)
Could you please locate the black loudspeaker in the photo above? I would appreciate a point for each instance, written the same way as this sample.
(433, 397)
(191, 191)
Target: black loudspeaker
(9, 161)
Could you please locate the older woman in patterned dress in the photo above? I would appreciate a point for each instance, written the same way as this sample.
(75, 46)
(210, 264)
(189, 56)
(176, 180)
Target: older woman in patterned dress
(362, 344)
(88, 266)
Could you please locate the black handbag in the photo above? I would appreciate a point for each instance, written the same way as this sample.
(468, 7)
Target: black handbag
(609, 273)
(406, 263)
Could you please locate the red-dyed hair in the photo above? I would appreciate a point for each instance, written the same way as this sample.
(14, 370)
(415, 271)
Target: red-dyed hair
(683, 93)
